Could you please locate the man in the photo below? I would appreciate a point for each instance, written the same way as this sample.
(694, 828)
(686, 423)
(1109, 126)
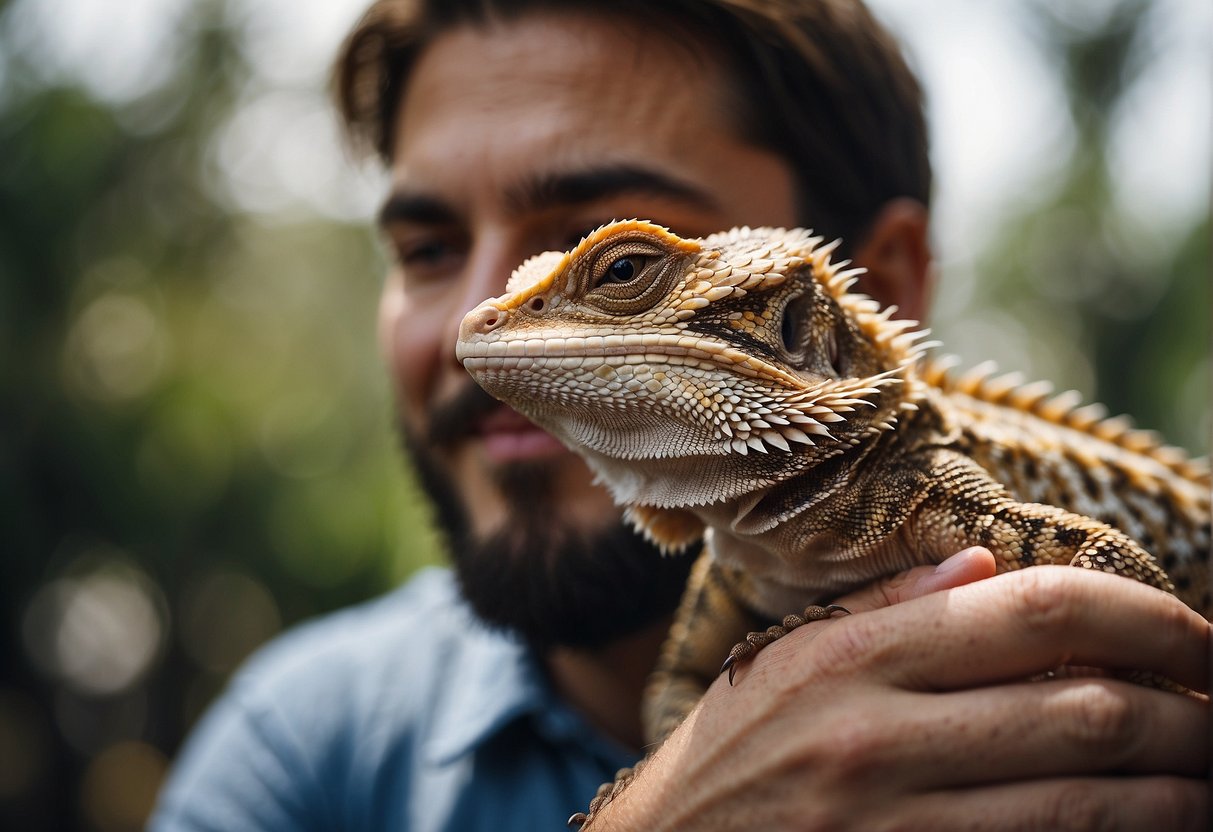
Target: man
(512, 128)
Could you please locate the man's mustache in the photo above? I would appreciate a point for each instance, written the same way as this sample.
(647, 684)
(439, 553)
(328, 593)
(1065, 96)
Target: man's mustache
(457, 418)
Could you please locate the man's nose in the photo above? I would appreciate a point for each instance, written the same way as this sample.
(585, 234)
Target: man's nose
(489, 265)
(486, 271)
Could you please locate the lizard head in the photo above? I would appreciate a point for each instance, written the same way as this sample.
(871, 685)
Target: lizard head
(692, 371)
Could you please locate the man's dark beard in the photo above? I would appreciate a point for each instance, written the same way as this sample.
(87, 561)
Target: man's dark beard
(542, 577)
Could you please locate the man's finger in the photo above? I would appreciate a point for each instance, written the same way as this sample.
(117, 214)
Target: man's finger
(1025, 623)
(1060, 728)
(1128, 804)
(966, 566)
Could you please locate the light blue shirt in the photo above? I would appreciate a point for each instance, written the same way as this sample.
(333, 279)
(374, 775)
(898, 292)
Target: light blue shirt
(404, 713)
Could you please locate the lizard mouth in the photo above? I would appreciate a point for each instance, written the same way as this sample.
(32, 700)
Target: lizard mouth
(617, 350)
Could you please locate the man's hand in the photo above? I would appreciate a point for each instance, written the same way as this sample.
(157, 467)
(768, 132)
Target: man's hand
(914, 714)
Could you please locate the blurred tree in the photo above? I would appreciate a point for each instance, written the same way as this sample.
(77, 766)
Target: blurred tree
(1085, 278)
(195, 438)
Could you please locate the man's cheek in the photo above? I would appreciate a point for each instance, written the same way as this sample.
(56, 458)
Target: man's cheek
(415, 346)
(391, 304)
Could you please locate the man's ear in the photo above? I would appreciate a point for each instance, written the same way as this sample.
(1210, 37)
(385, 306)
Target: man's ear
(896, 251)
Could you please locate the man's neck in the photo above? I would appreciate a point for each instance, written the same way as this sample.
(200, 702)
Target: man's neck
(606, 685)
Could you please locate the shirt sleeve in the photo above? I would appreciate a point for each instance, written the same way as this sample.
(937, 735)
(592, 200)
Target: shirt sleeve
(313, 724)
(243, 768)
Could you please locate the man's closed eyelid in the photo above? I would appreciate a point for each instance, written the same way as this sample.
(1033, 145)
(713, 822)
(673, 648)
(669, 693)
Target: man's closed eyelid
(428, 262)
(424, 251)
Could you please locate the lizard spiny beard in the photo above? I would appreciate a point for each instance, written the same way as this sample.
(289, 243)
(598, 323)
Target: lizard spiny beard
(541, 577)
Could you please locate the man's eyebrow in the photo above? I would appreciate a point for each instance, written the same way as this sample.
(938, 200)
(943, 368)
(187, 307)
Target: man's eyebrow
(578, 187)
(554, 190)
(401, 206)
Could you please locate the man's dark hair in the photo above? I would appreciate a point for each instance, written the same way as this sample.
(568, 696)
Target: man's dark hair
(820, 83)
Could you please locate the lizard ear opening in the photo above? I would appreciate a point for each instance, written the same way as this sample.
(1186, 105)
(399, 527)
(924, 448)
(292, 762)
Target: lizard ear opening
(795, 328)
(672, 530)
(791, 329)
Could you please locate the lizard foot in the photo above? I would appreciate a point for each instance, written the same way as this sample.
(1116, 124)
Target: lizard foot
(606, 793)
(756, 641)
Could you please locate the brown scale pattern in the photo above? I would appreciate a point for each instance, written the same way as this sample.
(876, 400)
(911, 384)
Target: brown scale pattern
(737, 384)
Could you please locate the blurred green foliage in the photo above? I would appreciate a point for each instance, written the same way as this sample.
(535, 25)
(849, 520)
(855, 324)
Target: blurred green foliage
(196, 443)
(1104, 302)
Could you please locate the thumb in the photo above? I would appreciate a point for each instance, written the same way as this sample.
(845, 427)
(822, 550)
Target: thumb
(966, 566)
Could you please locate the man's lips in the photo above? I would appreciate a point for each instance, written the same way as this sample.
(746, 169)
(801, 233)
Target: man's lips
(508, 435)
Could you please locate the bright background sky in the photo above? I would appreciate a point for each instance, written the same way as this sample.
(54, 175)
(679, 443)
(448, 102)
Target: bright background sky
(994, 102)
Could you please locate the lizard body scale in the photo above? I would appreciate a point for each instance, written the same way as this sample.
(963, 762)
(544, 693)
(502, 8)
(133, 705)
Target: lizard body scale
(734, 388)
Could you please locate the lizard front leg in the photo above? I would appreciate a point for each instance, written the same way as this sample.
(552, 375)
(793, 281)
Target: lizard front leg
(949, 502)
(1032, 534)
(967, 507)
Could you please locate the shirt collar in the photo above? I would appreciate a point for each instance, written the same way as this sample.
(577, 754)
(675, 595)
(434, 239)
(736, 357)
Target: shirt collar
(495, 680)
(492, 680)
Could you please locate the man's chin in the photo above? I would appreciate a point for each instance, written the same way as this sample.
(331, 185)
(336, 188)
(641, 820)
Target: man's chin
(543, 572)
(555, 585)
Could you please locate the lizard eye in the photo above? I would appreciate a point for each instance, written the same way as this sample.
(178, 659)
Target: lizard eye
(621, 271)
(629, 276)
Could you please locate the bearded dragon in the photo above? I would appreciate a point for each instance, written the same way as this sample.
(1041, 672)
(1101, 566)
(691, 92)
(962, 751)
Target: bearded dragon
(734, 388)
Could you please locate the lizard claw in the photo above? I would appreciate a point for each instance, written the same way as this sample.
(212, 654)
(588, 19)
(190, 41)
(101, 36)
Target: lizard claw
(730, 664)
(756, 641)
(576, 820)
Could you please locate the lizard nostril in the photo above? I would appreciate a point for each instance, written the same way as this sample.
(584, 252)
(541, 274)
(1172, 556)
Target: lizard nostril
(486, 319)
(536, 304)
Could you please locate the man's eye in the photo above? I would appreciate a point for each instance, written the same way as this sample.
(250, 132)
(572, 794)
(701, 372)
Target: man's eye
(427, 259)
(422, 253)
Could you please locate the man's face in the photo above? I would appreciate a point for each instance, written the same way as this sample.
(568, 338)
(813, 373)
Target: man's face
(518, 138)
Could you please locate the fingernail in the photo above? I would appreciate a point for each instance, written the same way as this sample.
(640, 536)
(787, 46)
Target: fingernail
(957, 560)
